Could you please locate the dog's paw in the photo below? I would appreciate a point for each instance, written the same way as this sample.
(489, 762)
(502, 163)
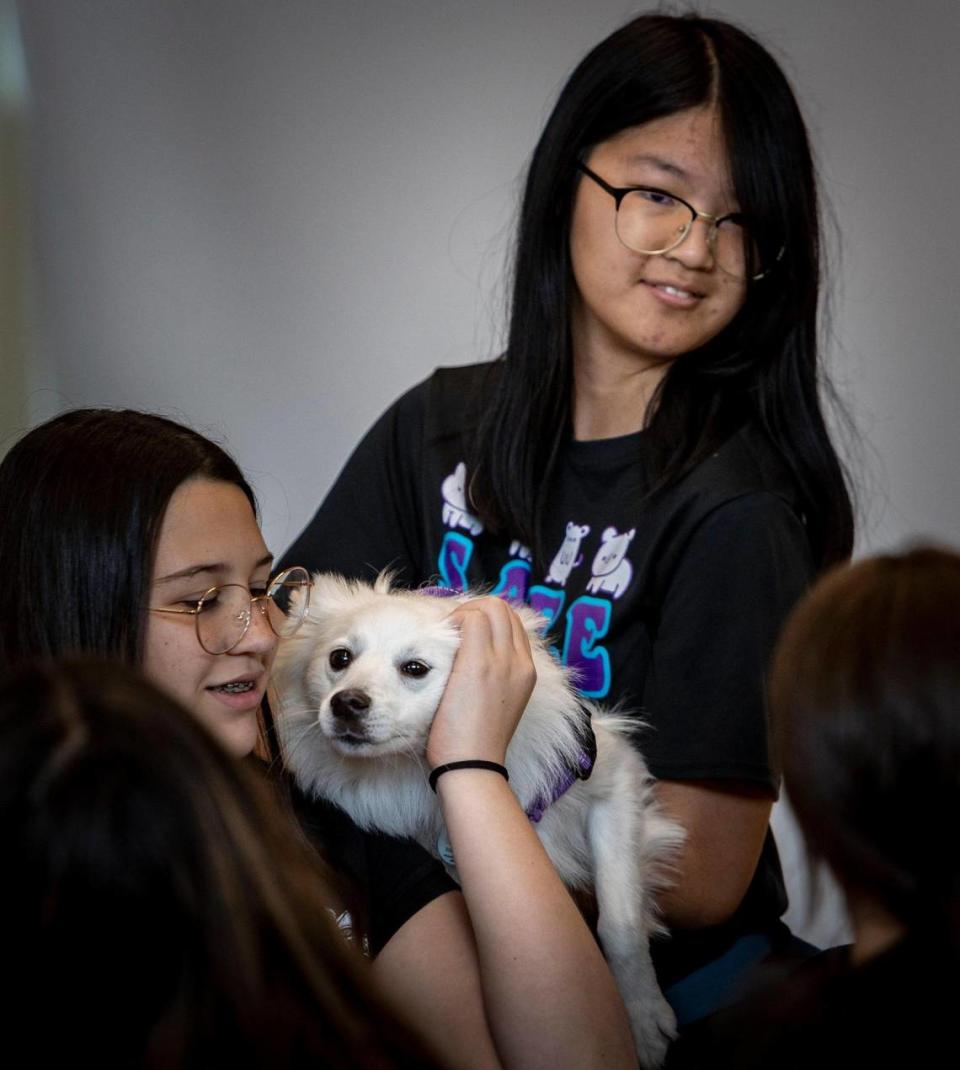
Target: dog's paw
(654, 1027)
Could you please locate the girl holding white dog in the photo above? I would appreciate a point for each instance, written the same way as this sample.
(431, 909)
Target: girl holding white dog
(129, 536)
(648, 463)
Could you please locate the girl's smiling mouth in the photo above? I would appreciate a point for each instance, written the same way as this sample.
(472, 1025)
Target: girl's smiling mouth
(673, 295)
(242, 693)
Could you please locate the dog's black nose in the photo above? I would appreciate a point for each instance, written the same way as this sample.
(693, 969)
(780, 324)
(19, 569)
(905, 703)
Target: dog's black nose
(350, 704)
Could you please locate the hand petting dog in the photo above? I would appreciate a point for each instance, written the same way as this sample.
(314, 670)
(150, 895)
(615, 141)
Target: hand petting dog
(490, 684)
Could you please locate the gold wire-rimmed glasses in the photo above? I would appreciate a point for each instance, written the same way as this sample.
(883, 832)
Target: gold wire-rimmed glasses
(223, 614)
(654, 221)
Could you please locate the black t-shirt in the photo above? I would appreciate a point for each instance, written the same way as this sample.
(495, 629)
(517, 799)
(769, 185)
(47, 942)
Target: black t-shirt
(380, 881)
(389, 880)
(667, 605)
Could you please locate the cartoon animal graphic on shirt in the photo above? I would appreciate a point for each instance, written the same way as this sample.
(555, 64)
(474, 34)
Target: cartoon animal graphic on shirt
(455, 512)
(612, 572)
(568, 556)
(517, 549)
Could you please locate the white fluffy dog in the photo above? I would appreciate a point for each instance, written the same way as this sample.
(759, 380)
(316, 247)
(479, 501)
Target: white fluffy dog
(357, 687)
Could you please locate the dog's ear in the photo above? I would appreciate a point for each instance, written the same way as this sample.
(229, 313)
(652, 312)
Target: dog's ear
(330, 595)
(296, 596)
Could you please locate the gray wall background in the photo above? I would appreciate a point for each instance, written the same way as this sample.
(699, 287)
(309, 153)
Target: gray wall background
(270, 219)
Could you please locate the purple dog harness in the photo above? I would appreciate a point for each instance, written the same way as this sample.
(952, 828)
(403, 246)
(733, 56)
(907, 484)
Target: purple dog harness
(566, 780)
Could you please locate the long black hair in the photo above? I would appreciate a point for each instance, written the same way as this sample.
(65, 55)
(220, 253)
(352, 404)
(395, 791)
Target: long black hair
(82, 498)
(865, 695)
(764, 365)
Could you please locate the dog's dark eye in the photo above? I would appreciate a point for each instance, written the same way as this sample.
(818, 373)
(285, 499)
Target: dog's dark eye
(414, 668)
(340, 658)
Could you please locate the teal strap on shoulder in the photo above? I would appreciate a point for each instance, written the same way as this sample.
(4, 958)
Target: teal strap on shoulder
(719, 983)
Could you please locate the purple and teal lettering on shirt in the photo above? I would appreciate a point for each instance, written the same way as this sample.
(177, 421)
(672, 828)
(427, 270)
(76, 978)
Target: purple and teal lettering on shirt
(455, 554)
(588, 620)
(548, 602)
(514, 580)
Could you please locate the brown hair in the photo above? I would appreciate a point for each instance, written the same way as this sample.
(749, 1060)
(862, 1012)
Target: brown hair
(865, 691)
(158, 905)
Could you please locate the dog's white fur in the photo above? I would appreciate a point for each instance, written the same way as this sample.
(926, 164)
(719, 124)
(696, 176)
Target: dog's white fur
(606, 832)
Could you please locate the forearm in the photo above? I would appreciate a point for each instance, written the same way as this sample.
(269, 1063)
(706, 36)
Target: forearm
(725, 825)
(429, 976)
(550, 999)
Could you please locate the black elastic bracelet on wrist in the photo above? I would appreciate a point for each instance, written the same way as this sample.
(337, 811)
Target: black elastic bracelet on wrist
(468, 763)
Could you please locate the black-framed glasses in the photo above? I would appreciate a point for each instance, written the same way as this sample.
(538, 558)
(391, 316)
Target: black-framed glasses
(223, 614)
(655, 221)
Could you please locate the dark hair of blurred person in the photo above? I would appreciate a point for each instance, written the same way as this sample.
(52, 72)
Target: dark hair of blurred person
(865, 695)
(159, 911)
(866, 691)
